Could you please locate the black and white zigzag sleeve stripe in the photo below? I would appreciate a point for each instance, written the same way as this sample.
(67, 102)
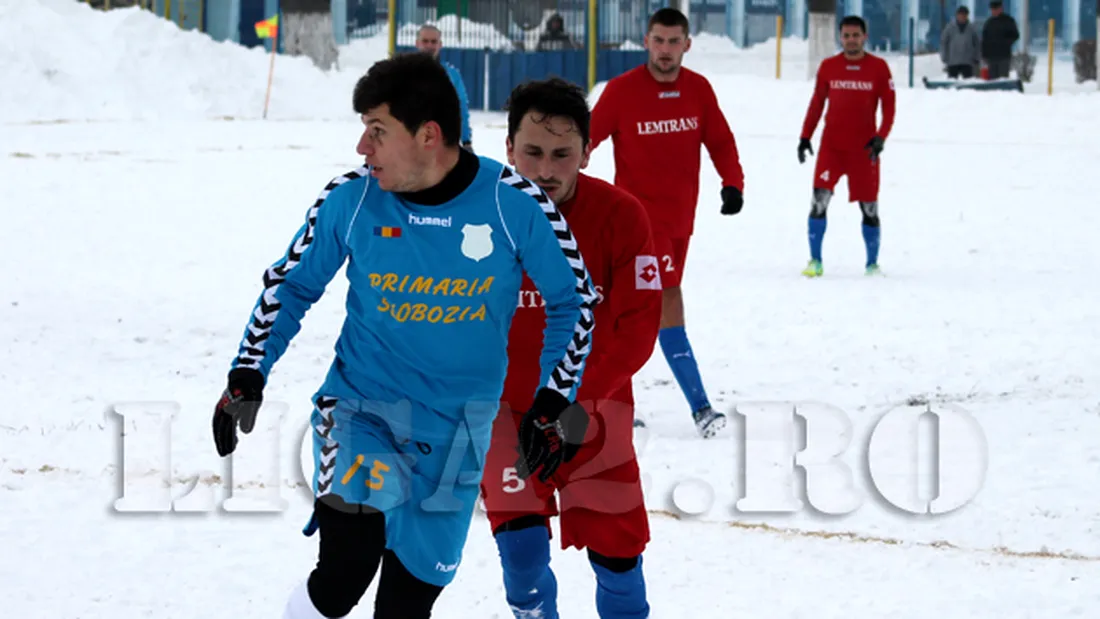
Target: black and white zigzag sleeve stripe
(564, 376)
(251, 352)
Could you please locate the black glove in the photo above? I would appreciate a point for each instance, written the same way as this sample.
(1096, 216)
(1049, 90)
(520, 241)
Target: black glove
(804, 147)
(468, 146)
(875, 146)
(549, 434)
(239, 404)
(732, 201)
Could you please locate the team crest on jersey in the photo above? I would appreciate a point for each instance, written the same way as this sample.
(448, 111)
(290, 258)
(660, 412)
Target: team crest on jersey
(646, 274)
(477, 241)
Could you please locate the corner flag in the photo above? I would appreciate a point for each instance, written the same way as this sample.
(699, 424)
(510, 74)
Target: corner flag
(268, 28)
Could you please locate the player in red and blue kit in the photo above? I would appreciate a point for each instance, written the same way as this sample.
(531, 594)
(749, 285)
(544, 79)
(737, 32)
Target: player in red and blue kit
(436, 242)
(853, 83)
(658, 117)
(602, 506)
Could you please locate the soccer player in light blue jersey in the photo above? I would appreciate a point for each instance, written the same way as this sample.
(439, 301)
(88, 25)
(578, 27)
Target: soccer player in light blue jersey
(436, 241)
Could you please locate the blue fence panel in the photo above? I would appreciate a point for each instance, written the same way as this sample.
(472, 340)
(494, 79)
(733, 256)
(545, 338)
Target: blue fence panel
(1087, 14)
(884, 24)
(615, 62)
(506, 71)
(471, 66)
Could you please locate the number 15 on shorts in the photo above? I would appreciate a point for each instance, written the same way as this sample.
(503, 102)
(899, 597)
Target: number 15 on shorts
(377, 478)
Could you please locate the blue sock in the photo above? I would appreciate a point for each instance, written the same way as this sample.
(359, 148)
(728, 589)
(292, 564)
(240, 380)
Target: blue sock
(621, 595)
(817, 235)
(529, 585)
(674, 344)
(871, 239)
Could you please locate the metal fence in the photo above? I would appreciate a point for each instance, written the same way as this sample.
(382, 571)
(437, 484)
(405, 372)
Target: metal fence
(507, 25)
(520, 25)
(187, 14)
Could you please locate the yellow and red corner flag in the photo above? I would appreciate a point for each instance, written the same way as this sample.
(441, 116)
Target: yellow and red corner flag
(268, 28)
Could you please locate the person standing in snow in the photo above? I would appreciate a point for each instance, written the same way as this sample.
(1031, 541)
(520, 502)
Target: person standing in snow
(429, 40)
(999, 33)
(658, 117)
(853, 85)
(960, 46)
(436, 242)
(602, 505)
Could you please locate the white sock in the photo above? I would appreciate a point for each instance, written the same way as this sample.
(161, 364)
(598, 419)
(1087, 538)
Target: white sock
(299, 606)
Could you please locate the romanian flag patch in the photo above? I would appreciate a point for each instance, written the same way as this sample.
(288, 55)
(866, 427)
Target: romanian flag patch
(389, 232)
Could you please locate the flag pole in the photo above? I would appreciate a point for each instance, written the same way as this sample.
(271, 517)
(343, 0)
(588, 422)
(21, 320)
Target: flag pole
(271, 72)
(269, 29)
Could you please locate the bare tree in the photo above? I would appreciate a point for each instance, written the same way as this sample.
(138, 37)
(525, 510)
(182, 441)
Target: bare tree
(308, 31)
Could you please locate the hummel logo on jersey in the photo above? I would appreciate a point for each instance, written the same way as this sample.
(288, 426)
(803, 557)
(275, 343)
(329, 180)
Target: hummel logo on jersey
(646, 274)
(851, 85)
(672, 125)
(427, 220)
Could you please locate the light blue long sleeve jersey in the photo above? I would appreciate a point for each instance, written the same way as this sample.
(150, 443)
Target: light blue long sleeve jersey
(432, 291)
(463, 99)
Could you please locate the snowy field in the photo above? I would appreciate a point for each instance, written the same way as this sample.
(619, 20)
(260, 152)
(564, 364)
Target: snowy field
(143, 198)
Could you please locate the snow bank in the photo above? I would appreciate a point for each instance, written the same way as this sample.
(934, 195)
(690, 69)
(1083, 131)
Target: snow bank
(461, 32)
(64, 60)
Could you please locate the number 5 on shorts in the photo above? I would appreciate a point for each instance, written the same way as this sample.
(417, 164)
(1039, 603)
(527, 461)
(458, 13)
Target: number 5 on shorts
(511, 475)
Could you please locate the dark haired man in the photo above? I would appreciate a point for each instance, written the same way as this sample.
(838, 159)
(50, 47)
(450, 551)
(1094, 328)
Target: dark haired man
(602, 505)
(658, 116)
(853, 83)
(436, 241)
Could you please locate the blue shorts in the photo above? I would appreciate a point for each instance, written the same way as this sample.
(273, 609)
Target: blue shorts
(426, 491)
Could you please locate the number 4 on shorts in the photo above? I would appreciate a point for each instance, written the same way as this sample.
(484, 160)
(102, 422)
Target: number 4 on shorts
(824, 175)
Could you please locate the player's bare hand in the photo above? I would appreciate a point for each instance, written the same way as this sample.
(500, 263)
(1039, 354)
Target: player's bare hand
(804, 147)
(238, 405)
(875, 147)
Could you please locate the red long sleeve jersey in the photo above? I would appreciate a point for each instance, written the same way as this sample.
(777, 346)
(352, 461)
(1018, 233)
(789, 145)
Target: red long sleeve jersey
(853, 90)
(657, 130)
(616, 242)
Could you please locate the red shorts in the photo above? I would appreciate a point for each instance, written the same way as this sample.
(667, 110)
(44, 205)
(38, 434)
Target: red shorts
(600, 490)
(862, 173)
(671, 257)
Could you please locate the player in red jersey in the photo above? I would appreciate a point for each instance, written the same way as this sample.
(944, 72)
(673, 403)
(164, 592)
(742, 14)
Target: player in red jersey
(852, 83)
(602, 504)
(658, 116)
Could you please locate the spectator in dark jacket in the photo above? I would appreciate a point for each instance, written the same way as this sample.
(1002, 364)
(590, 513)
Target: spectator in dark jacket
(555, 38)
(959, 46)
(998, 35)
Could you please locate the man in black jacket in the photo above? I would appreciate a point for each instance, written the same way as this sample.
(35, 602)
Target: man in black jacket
(998, 35)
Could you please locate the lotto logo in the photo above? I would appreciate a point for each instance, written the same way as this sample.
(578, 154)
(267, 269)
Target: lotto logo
(646, 274)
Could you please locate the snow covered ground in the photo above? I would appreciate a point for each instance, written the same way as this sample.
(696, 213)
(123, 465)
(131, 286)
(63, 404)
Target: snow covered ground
(137, 243)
